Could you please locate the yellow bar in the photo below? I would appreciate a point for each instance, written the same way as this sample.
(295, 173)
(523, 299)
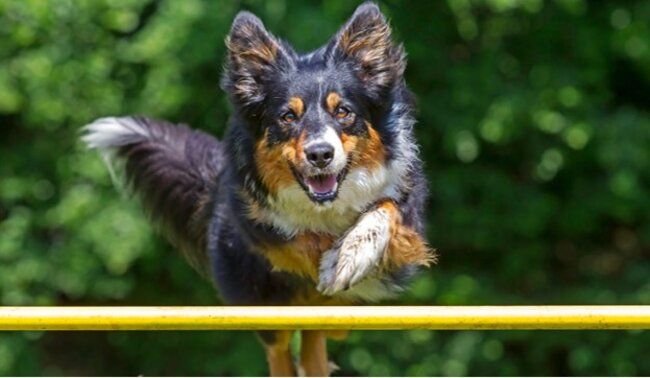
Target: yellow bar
(343, 317)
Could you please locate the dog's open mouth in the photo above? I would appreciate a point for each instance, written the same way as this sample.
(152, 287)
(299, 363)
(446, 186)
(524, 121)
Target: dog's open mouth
(321, 187)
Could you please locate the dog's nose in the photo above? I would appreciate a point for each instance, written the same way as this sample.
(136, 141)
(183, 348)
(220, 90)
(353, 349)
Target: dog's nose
(320, 155)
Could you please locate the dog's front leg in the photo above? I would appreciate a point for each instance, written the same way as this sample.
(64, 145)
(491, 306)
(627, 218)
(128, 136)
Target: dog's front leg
(377, 240)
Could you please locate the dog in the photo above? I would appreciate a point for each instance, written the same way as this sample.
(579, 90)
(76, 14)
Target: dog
(316, 194)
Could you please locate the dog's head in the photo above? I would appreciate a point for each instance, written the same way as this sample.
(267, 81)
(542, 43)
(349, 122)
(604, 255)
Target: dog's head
(315, 117)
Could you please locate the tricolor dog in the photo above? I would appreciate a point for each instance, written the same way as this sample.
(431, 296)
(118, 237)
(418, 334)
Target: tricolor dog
(315, 195)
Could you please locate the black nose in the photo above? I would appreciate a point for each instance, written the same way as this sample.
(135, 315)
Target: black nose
(320, 155)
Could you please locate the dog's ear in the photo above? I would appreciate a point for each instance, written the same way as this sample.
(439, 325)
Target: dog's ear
(366, 41)
(253, 57)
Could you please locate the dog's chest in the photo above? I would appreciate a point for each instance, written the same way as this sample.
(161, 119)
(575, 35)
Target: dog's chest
(292, 212)
(300, 255)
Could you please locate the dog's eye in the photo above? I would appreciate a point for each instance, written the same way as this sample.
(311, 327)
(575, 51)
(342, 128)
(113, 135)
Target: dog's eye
(289, 117)
(342, 112)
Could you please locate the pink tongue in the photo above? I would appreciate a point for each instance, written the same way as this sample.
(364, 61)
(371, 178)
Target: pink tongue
(322, 184)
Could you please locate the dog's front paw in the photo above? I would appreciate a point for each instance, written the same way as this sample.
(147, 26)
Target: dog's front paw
(355, 255)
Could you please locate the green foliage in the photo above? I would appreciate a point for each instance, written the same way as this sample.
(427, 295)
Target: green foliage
(533, 123)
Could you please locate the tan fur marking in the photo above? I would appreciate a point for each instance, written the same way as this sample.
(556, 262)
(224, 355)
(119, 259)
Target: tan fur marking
(332, 101)
(313, 354)
(298, 153)
(279, 357)
(271, 162)
(405, 246)
(261, 49)
(297, 106)
(301, 255)
(349, 142)
(369, 41)
(251, 52)
(259, 52)
(274, 172)
(368, 152)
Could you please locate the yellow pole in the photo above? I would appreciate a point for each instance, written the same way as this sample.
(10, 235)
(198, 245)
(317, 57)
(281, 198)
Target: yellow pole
(343, 317)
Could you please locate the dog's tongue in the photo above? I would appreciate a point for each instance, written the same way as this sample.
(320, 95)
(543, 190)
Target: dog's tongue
(322, 184)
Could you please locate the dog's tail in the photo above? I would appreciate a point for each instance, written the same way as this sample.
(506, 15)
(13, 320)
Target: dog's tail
(172, 169)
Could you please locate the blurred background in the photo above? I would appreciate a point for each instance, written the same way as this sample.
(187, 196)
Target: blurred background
(534, 122)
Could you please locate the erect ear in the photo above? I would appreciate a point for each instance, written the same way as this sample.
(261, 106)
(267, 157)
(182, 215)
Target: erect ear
(366, 41)
(254, 55)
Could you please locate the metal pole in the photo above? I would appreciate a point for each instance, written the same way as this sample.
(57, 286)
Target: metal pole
(335, 317)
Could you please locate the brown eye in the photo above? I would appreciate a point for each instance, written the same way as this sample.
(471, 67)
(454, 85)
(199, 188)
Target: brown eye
(289, 117)
(342, 112)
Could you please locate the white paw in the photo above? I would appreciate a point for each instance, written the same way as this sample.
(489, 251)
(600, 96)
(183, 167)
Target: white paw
(356, 254)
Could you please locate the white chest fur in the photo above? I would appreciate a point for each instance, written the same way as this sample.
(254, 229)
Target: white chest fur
(291, 211)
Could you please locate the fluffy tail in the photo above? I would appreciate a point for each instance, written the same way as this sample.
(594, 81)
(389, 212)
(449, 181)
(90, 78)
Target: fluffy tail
(172, 169)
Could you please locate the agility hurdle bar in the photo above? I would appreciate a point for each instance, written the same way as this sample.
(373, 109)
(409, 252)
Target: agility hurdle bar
(334, 317)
